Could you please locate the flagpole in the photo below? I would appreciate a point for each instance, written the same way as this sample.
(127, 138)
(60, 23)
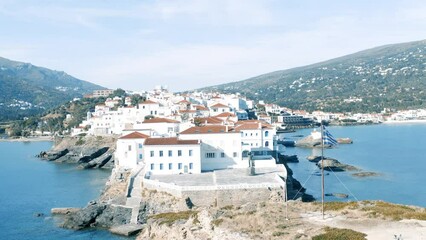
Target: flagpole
(322, 169)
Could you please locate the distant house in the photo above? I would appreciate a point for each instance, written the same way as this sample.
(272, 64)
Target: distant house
(102, 93)
(219, 108)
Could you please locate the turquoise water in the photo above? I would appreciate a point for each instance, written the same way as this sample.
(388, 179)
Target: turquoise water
(397, 152)
(29, 185)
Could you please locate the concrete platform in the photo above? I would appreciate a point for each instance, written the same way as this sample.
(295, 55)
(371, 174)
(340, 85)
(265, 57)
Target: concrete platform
(221, 177)
(127, 230)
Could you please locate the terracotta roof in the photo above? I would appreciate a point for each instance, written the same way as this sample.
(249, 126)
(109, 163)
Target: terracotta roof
(187, 111)
(226, 114)
(209, 129)
(169, 141)
(134, 135)
(201, 108)
(251, 124)
(211, 120)
(185, 101)
(160, 120)
(148, 102)
(219, 105)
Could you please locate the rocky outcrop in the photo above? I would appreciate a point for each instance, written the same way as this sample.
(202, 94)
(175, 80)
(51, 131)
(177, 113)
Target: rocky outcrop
(330, 164)
(313, 158)
(308, 142)
(85, 217)
(88, 151)
(53, 155)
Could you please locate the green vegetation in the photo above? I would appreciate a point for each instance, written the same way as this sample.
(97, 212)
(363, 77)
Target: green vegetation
(171, 217)
(278, 234)
(394, 211)
(336, 206)
(391, 76)
(217, 222)
(54, 120)
(28, 90)
(340, 234)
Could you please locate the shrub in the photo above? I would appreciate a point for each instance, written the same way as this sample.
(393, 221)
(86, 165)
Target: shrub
(170, 217)
(338, 233)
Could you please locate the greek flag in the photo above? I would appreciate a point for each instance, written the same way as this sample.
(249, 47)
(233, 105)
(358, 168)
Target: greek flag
(327, 138)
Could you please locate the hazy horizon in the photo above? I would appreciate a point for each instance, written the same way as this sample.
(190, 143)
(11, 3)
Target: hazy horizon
(190, 44)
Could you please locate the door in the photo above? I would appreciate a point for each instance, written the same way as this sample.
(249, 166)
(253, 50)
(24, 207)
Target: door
(185, 169)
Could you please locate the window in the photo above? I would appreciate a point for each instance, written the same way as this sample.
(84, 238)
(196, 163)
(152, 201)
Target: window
(179, 165)
(266, 143)
(161, 166)
(190, 153)
(170, 166)
(130, 147)
(161, 153)
(170, 153)
(235, 154)
(191, 166)
(210, 155)
(152, 166)
(266, 133)
(152, 153)
(140, 145)
(222, 154)
(140, 156)
(179, 153)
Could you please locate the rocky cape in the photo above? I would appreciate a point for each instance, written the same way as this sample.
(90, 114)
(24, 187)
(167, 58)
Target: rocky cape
(86, 151)
(310, 142)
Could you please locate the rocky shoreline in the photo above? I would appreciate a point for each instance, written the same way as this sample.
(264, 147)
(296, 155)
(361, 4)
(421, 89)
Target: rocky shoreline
(87, 151)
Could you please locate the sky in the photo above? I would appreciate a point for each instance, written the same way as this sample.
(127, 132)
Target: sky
(188, 44)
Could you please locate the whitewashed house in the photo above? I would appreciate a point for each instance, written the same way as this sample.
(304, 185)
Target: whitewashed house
(217, 108)
(129, 152)
(160, 126)
(172, 156)
(221, 146)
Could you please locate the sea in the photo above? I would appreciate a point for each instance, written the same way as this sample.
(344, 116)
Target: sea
(397, 152)
(30, 187)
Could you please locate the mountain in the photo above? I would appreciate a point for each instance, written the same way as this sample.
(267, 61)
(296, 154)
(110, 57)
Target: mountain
(27, 89)
(391, 76)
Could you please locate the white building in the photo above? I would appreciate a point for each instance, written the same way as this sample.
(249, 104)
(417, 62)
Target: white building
(221, 146)
(172, 156)
(129, 152)
(160, 126)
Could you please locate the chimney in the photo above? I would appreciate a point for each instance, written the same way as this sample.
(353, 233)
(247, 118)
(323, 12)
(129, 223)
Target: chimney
(260, 125)
(226, 128)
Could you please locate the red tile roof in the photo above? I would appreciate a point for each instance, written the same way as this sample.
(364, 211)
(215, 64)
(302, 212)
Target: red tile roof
(252, 124)
(219, 105)
(210, 120)
(160, 120)
(201, 108)
(226, 114)
(187, 111)
(170, 141)
(134, 135)
(185, 102)
(148, 102)
(209, 129)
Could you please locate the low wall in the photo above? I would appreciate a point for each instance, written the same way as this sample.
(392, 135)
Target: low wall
(222, 195)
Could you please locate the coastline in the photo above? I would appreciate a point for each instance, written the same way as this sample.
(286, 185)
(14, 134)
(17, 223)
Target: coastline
(30, 139)
(423, 121)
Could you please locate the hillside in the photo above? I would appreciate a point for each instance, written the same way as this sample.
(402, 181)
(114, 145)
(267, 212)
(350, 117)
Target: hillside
(27, 89)
(391, 76)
